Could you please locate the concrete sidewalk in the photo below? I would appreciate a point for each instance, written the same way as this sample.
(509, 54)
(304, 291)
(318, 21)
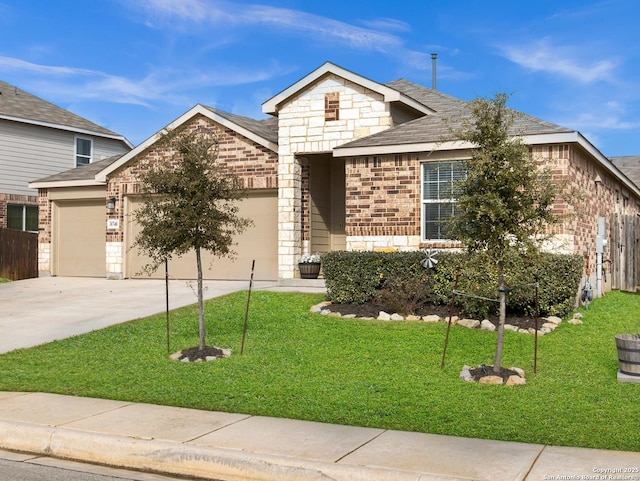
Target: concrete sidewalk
(223, 446)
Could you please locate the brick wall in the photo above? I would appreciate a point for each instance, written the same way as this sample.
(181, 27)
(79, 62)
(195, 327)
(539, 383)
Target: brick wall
(254, 164)
(19, 199)
(383, 196)
(384, 206)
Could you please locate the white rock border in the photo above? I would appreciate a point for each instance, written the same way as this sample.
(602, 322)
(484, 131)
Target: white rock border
(549, 324)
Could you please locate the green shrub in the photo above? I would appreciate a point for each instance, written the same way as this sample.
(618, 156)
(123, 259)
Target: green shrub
(399, 280)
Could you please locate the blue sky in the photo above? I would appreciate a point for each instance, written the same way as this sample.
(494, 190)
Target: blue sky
(133, 66)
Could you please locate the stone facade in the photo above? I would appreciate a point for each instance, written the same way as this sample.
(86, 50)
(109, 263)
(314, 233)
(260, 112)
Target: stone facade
(306, 127)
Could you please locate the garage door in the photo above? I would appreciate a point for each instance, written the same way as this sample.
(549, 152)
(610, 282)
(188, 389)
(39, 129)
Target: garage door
(259, 242)
(79, 238)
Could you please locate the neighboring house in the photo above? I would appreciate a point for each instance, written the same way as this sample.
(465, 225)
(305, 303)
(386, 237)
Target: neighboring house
(342, 163)
(38, 138)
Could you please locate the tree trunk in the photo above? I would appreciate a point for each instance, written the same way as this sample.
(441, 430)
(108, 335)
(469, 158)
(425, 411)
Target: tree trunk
(502, 297)
(203, 333)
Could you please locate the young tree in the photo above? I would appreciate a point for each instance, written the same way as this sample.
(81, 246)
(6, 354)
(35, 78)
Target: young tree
(188, 204)
(506, 201)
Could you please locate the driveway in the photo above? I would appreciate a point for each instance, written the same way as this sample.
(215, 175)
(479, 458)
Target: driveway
(41, 310)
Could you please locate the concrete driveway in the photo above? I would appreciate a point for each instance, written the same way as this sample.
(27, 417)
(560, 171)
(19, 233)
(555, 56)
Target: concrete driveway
(41, 310)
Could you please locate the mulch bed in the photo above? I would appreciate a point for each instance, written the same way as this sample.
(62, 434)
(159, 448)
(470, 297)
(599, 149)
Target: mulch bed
(372, 309)
(195, 353)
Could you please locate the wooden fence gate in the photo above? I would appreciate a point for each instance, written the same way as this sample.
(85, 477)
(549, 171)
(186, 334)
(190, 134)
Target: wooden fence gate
(623, 247)
(18, 254)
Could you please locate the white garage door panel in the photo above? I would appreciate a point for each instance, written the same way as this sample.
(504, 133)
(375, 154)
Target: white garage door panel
(258, 242)
(79, 238)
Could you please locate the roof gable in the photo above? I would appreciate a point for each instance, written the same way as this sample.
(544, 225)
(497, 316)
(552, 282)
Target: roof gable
(389, 94)
(261, 132)
(20, 106)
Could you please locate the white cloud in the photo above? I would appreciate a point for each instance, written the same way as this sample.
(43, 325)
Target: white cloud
(167, 86)
(289, 20)
(543, 56)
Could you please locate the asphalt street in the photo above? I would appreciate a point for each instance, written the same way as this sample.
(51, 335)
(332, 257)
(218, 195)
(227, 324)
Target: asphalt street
(22, 467)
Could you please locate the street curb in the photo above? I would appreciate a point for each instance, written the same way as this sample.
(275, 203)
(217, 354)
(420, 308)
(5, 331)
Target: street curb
(174, 458)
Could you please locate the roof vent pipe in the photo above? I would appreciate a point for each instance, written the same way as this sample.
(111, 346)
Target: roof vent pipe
(434, 56)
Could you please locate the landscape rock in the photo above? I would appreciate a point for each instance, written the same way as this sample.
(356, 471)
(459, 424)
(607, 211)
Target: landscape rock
(575, 321)
(491, 380)
(523, 331)
(465, 374)
(487, 325)
(335, 314)
(349, 316)
(397, 317)
(469, 323)
(431, 318)
(550, 325)
(383, 316)
(454, 320)
(510, 327)
(577, 315)
(413, 317)
(514, 380)
(319, 307)
(325, 312)
(554, 319)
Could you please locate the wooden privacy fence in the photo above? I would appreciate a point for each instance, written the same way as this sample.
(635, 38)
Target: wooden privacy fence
(18, 254)
(625, 259)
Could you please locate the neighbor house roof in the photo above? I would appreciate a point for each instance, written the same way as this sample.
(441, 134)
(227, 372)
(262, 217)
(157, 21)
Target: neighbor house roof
(77, 176)
(20, 106)
(630, 166)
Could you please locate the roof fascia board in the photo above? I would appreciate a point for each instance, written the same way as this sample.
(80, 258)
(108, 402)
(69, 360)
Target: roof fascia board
(271, 106)
(197, 109)
(445, 145)
(68, 128)
(64, 183)
(401, 148)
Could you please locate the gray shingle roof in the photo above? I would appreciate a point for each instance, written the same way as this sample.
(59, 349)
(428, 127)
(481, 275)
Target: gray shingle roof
(266, 128)
(630, 166)
(18, 104)
(450, 113)
(84, 172)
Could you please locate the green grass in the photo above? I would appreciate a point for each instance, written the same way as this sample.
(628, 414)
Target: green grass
(367, 373)
(4, 279)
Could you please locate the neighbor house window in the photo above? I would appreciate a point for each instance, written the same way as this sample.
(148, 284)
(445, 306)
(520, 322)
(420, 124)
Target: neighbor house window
(438, 196)
(22, 217)
(332, 106)
(83, 151)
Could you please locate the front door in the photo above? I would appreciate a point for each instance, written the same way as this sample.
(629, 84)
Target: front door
(327, 203)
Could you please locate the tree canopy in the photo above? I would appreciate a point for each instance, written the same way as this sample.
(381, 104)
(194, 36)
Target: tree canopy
(189, 204)
(505, 203)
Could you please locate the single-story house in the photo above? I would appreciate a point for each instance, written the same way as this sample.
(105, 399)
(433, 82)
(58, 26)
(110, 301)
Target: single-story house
(342, 162)
(37, 139)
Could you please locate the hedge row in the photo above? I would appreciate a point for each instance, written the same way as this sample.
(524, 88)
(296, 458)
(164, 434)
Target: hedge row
(399, 280)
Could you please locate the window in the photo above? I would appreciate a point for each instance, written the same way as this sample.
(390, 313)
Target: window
(83, 151)
(22, 217)
(438, 196)
(332, 106)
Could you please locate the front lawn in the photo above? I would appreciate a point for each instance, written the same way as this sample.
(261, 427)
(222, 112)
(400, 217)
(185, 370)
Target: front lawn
(369, 373)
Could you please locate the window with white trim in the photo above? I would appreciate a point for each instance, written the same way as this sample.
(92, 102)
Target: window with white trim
(22, 217)
(438, 196)
(84, 148)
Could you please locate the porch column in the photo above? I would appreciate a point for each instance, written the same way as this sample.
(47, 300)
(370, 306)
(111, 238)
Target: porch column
(289, 213)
